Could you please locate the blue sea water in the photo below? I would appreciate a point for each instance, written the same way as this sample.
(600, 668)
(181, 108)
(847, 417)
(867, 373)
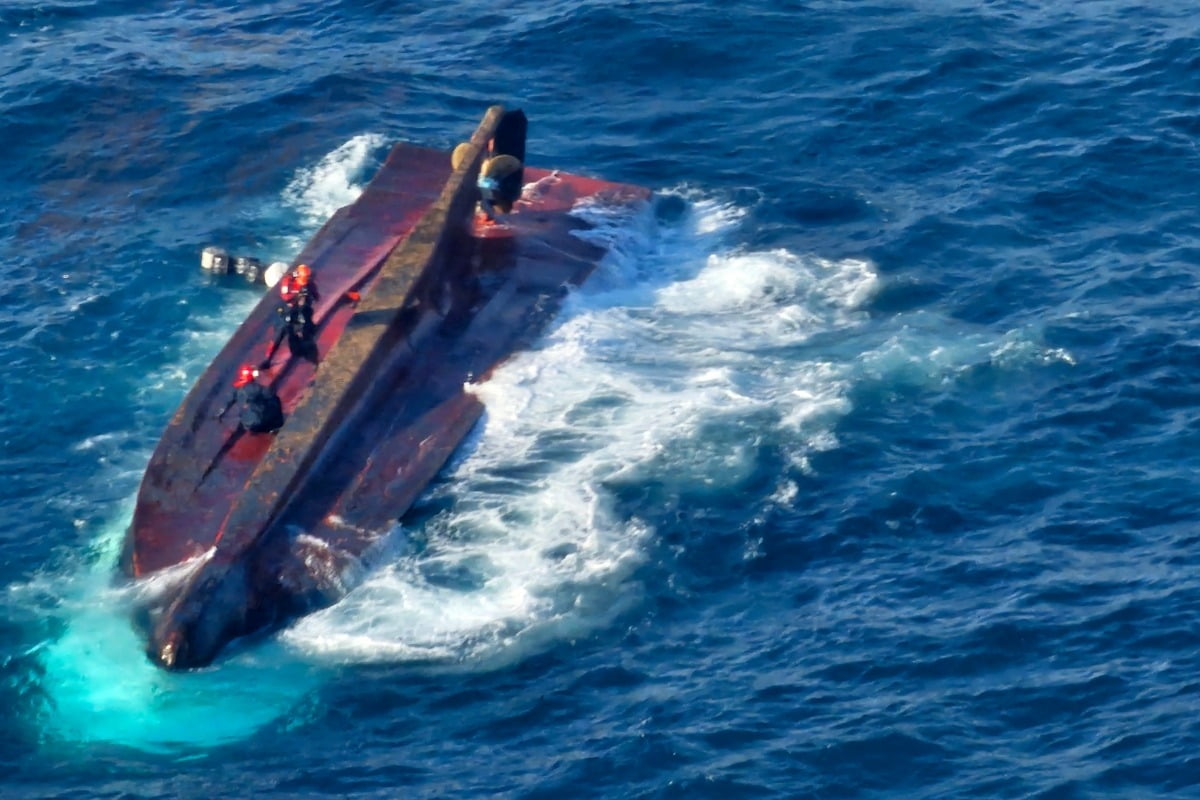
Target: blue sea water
(865, 467)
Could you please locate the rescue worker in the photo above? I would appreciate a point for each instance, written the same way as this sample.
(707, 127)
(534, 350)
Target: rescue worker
(298, 291)
(299, 286)
(260, 410)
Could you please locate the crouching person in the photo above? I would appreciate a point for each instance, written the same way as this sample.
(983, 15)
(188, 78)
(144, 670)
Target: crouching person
(259, 408)
(499, 183)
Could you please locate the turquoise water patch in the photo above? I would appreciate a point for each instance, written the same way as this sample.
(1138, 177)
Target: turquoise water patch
(100, 687)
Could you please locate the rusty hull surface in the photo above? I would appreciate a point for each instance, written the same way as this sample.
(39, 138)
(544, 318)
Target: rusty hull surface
(275, 519)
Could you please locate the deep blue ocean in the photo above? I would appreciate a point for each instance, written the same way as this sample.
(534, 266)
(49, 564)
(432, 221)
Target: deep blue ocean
(866, 466)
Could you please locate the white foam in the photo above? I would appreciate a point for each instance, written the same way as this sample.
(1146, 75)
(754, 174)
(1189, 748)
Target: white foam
(677, 361)
(669, 373)
(1016, 350)
(334, 182)
(922, 349)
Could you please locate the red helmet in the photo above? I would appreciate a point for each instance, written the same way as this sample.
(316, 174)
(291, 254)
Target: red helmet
(302, 273)
(246, 374)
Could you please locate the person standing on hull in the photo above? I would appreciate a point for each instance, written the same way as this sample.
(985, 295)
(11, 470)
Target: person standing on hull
(260, 410)
(298, 291)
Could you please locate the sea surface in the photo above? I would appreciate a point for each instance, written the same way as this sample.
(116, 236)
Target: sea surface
(866, 466)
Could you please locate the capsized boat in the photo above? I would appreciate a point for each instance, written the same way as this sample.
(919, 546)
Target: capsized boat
(267, 525)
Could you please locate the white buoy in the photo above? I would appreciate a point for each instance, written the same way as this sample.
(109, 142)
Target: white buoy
(274, 272)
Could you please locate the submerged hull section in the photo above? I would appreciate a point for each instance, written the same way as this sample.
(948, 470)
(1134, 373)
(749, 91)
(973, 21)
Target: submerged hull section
(277, 519)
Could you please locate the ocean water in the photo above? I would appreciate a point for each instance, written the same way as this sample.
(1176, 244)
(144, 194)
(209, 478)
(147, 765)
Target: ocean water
(865, 467)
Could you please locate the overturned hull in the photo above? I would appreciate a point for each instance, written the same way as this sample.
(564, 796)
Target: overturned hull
(272, 521)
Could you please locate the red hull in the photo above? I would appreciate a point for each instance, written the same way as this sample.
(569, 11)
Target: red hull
(201, 464)
(368, 429)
